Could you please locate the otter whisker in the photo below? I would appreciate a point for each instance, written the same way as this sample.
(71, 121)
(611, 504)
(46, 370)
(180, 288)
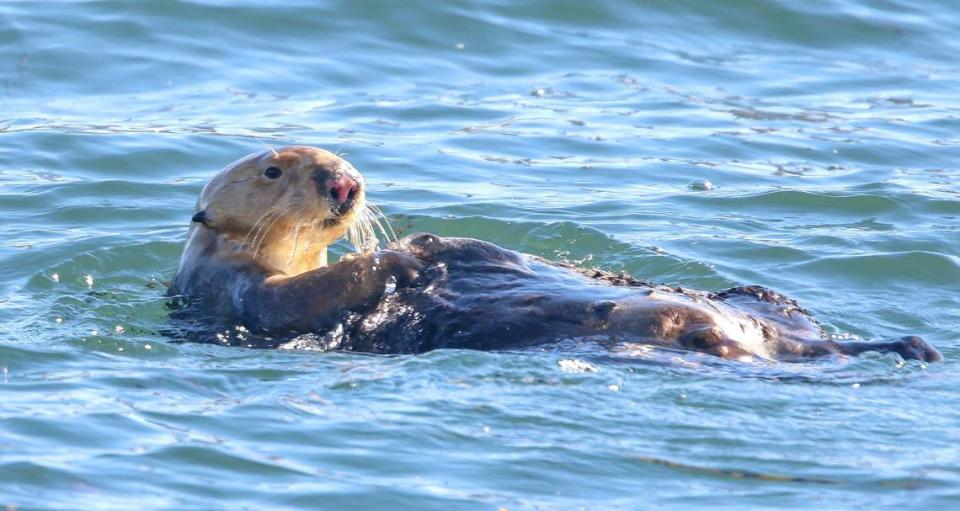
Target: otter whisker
(360, 233)
(372, 222)
(260, 228)
(256, 225)
(272, 150)
(363, 233)
(266, 231)
(380, 215)
(296, 243)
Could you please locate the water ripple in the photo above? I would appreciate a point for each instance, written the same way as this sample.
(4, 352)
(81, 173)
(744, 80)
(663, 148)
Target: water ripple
(577, 131)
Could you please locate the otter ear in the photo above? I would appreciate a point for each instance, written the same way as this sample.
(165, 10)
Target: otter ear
(201, 217)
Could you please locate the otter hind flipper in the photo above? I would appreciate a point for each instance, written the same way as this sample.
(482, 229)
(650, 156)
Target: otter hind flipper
(910, 347)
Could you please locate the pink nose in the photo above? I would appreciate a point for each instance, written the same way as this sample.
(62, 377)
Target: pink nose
(342, 188)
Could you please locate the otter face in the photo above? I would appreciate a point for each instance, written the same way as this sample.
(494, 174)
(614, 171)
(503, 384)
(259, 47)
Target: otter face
(274, 193)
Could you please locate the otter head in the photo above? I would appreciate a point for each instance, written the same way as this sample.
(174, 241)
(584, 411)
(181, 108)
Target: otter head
(283, 208)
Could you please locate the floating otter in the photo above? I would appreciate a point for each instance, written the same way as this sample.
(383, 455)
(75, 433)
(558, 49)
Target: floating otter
(255, 272)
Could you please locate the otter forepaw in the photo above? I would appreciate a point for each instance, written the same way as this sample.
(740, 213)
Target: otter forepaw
(402, 266)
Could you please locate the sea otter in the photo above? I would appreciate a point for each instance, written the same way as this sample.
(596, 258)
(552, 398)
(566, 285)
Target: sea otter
(255, 272)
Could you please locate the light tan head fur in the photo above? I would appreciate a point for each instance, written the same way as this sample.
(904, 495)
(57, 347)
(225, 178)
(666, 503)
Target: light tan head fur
(282, 208)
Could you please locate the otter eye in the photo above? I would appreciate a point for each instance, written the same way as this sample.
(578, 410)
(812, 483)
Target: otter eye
(273, 172)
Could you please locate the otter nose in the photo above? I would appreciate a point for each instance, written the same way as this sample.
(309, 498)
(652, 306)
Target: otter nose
(342, 188)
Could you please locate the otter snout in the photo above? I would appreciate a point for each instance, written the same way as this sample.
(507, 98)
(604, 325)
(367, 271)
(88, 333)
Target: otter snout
(342, 188)
(339, 188)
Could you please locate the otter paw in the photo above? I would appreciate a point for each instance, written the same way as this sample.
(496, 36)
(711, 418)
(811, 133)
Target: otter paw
(403, 266)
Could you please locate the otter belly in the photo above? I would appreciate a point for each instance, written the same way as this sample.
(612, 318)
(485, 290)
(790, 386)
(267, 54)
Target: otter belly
(474, 295)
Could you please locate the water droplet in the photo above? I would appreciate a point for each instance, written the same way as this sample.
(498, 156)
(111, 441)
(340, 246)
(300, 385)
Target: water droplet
(613, 388)
(118, 329)
(147, 347)
(55, 277)
(461, 46)
(58, 321)
(89, 280)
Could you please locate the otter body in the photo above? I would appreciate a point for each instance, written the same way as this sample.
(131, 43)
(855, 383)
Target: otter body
(424, 292)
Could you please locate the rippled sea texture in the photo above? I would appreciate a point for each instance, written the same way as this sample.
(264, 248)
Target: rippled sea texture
(582, 131)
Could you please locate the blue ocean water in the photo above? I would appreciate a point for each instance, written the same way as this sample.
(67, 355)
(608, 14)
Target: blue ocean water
(811, 147)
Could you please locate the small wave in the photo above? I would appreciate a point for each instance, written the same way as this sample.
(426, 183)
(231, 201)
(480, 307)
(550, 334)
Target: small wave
(909, 268)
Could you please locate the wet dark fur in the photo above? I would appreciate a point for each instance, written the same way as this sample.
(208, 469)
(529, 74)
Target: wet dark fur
(465, 293)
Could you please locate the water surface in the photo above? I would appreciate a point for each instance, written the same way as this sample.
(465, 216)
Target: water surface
(580, 131)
